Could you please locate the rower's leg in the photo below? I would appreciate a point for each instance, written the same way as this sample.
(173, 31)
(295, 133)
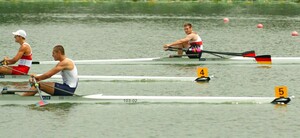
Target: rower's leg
(5, 70)
(180, 51)
(47, 87)
(30, 93)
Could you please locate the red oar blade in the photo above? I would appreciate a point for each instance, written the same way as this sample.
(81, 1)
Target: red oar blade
(263, 59)
(41, 103)
(249, 54)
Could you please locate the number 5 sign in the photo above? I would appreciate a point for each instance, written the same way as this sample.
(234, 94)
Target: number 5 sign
(281, 91)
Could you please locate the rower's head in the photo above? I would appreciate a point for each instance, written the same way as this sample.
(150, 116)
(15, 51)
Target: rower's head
(58, 52)
(19, 35)
(188, 28)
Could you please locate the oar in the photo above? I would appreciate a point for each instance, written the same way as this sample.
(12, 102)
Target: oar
(41, 102)
(178, 56)
(244, 54)
(2, 62)
(23, 73)
(263, 59)
(5, 91)
(214, 54)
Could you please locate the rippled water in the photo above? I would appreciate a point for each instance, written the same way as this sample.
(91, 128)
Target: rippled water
(87, 36)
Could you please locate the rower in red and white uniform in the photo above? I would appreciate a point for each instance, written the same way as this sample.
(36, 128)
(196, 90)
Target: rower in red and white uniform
(195, 47)
(192, 42)
(24, 56)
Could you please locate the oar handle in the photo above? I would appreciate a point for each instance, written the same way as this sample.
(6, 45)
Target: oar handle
(176, 49)
(3, 62)
(42, 102)
(37, 86)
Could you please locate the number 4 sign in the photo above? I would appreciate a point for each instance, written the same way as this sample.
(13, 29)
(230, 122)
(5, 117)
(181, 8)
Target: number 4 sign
(202, 72)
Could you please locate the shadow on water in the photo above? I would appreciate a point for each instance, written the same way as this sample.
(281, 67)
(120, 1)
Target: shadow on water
(54, 107)
(59, 108)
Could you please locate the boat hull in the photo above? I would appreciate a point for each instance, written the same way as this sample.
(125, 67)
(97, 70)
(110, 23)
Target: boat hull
(25, 78)
(14, 99)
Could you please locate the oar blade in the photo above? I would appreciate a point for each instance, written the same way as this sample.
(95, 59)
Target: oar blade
(263, 59)
(35, 62)
(41, 103)
(249, 54)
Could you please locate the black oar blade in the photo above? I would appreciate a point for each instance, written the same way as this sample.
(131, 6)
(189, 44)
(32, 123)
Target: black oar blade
(249, 54)
(281, 100)
(35, 62)
(263, 59)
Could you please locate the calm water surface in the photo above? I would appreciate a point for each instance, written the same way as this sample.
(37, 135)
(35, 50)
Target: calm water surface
(136, 36)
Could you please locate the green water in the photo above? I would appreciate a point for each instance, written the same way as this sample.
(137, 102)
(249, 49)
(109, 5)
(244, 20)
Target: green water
(98, 31)
(242, 8)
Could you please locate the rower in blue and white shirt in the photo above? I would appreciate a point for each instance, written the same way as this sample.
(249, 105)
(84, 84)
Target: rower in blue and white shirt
(68, 71)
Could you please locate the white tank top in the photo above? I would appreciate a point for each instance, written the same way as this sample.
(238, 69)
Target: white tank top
(198, 39)
(70, 77)
(198, 42)
(26, 60)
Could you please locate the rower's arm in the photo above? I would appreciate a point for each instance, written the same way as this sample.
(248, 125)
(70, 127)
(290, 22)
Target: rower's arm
(17, 56)
(59, 67)
(181, 41)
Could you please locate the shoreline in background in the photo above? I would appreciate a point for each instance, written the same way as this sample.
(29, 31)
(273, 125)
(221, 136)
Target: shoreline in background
(165, 7)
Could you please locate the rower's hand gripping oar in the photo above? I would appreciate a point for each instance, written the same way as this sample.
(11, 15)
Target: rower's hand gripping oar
(42, 102)
(3, 62)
